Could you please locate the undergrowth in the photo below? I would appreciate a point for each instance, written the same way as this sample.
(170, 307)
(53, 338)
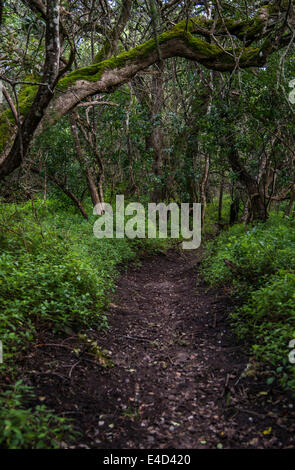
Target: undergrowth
(54, 274)
(259, 265)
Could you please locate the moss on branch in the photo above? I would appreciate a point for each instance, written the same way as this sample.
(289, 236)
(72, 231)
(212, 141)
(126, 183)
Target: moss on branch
(26, 97)
(203, 50)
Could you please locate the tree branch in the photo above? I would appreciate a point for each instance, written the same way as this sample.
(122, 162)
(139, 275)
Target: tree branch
(104, 77)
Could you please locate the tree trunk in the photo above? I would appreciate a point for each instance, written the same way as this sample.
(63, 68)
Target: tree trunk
(220, 201)
(258, 210)
(156, 138)
(234, 210)
(93, 190)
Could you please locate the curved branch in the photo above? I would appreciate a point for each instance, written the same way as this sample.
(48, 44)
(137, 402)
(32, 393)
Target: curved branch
(34, 111)
(110, 45)
(106, 76)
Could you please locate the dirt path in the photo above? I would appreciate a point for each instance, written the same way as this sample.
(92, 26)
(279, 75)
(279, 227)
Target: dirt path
(177, 380)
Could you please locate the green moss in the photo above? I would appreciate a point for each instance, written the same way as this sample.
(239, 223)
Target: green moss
(93, 73)
(7, 121)
(274, 9)
(271, 9)
(202, 47)
(252, 28)
(249, 54)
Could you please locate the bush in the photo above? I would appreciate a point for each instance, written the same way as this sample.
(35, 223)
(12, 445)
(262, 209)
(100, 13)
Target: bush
(268, 321)
(52, 270)
(263, 274)
(276, 300)
(27, 428)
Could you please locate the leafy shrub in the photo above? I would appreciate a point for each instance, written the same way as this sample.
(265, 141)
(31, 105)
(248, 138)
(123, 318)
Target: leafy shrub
(263, 274)
(53, 273)
(258, 252)
(27, 428)
(276, 300)
(53, 270)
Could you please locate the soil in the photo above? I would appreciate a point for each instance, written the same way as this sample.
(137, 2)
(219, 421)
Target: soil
(180, 378)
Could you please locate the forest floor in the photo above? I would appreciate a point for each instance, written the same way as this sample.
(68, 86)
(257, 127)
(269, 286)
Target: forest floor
(177, 378)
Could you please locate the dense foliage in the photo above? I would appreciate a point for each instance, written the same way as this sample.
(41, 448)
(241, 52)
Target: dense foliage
(262, 274)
